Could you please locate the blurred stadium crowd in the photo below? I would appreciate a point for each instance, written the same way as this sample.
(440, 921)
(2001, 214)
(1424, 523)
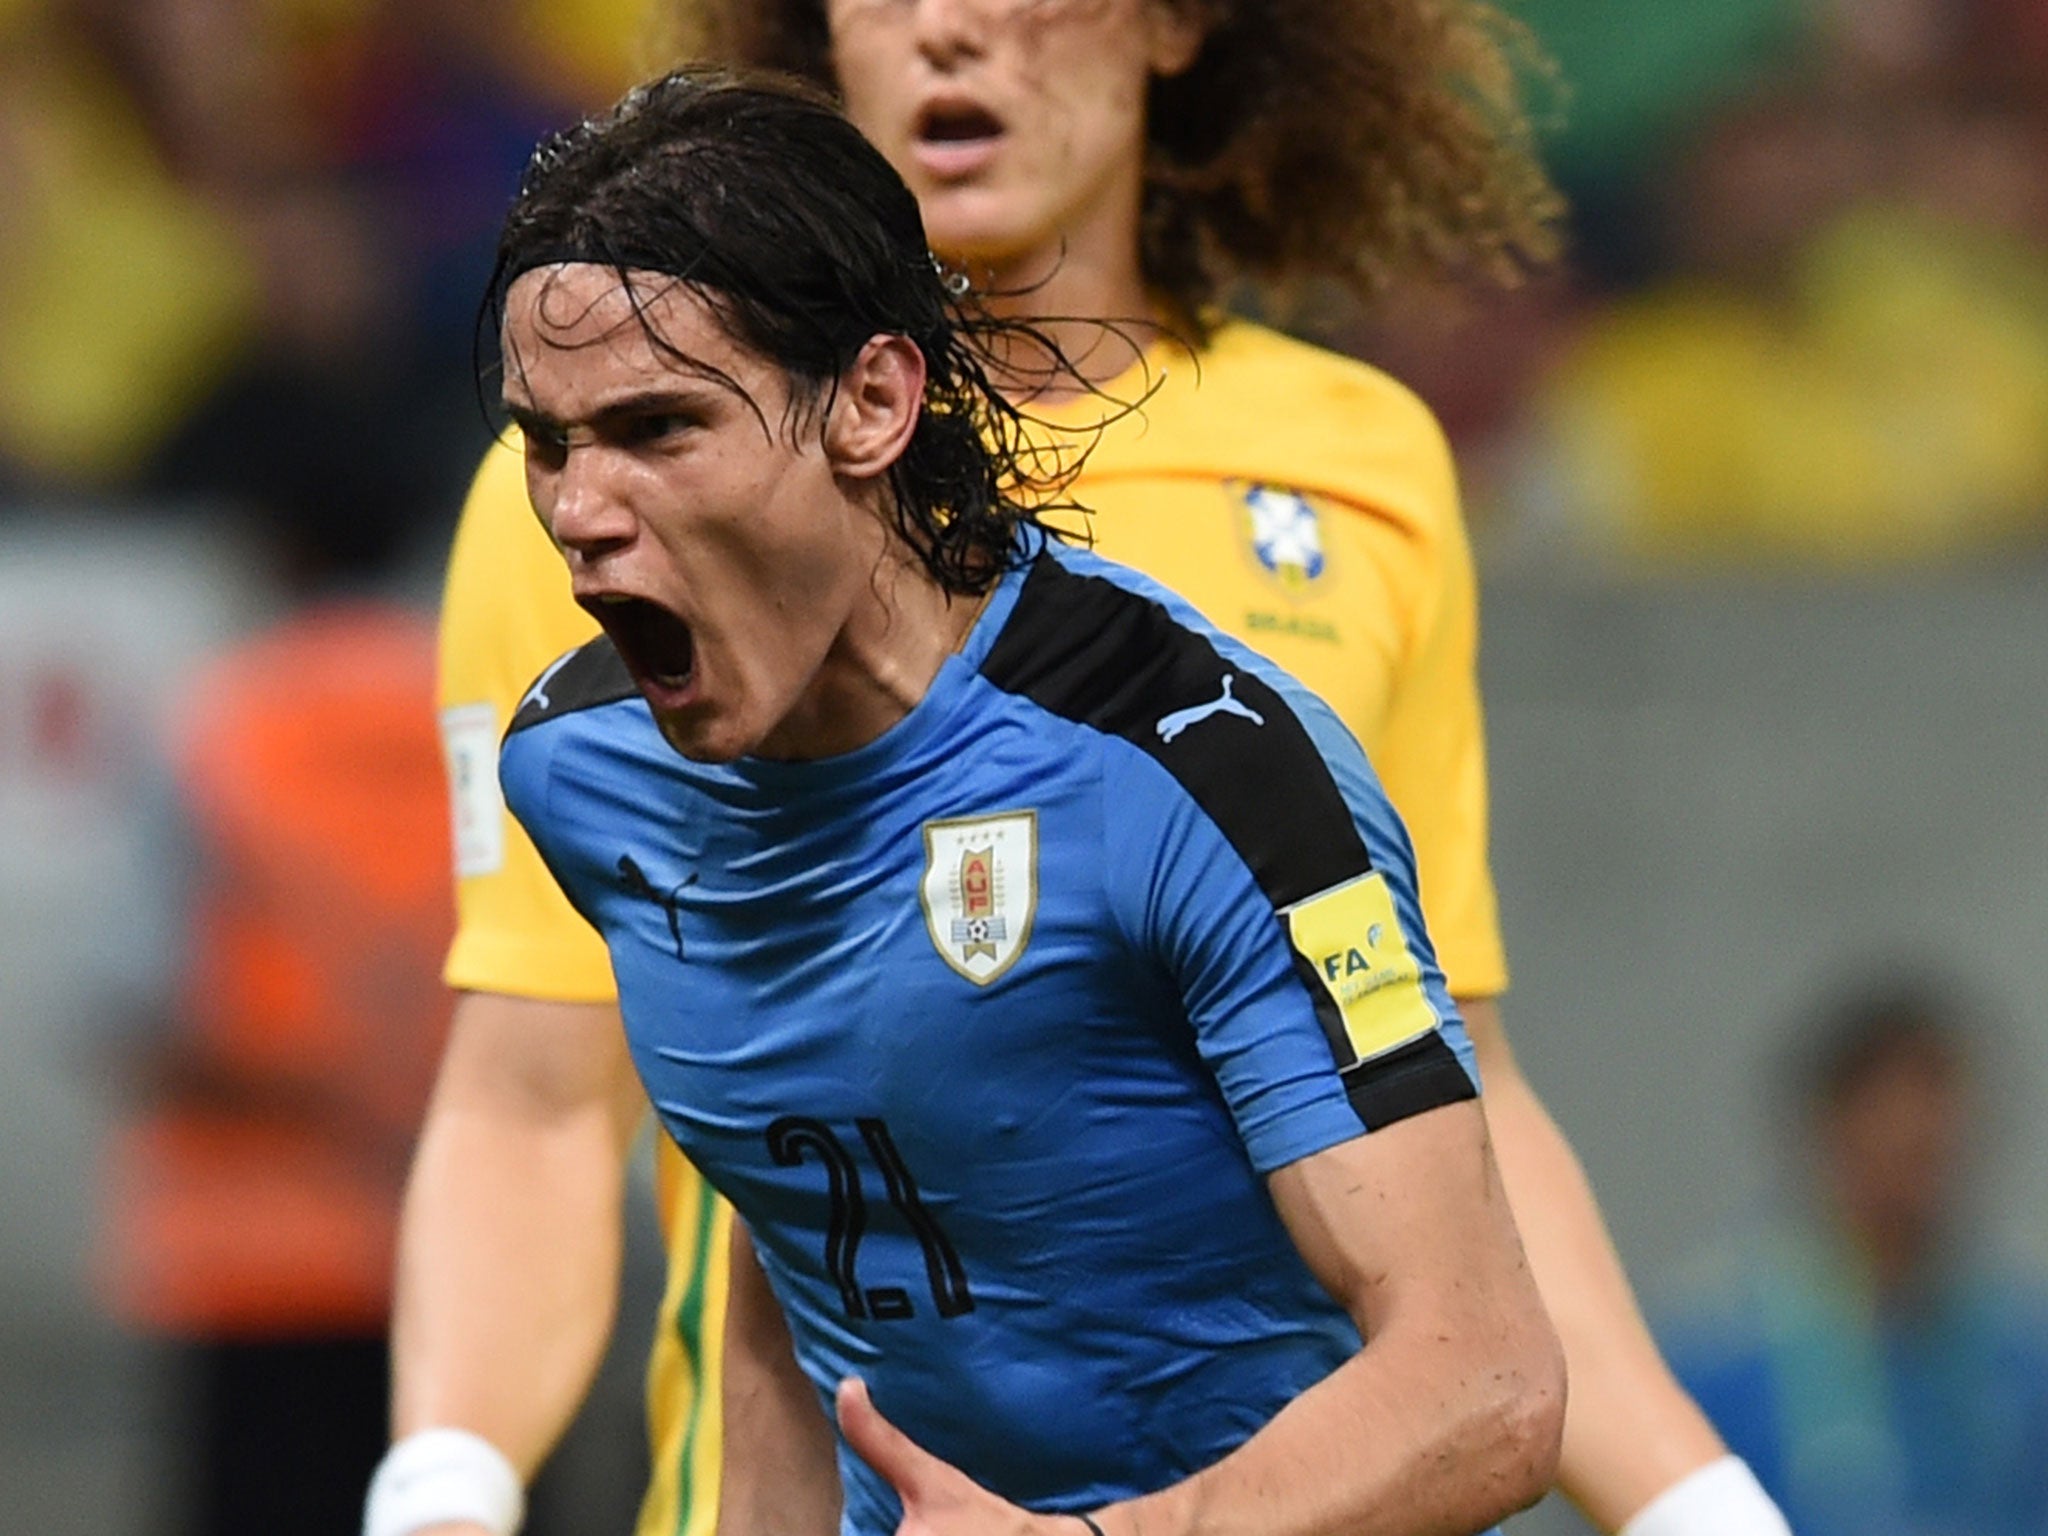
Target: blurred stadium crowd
(243, 240)
(1802, 329)
(1803, 319)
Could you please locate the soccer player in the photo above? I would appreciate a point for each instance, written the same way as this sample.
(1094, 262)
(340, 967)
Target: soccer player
(1095, 1114)
(1120, 160)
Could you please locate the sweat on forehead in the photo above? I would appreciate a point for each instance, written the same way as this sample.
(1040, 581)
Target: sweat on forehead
(576, 302)
(641, 331)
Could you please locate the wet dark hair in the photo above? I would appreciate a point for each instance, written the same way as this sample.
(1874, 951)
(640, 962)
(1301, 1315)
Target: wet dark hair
(1367, 141)
(757, 195)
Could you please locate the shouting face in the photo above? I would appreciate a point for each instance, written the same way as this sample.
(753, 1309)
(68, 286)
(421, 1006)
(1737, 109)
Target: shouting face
(701, 501)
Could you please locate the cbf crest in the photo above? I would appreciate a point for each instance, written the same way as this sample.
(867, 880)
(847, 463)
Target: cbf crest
(980, 890)
(1285, 533)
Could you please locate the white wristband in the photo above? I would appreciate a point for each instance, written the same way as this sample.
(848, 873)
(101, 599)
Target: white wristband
(1723, 1498)
(438, 1476)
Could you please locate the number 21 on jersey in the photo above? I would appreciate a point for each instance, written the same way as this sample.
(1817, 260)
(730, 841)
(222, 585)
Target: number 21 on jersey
(792, 1138)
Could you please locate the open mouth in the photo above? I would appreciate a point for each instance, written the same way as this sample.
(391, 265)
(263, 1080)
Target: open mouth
(957, 123)
(655, 645)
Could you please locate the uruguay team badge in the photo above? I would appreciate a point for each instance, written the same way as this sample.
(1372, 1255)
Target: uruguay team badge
(1285, 533)
(980, 890)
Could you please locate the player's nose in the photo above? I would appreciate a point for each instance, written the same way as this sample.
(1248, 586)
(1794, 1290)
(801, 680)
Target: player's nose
(950, 31)
(586, 518)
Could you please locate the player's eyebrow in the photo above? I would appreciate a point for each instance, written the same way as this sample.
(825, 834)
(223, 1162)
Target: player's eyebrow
(650, 402)
(533, 423)
(529, 418)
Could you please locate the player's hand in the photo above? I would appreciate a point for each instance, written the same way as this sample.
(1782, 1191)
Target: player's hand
(938, 1498)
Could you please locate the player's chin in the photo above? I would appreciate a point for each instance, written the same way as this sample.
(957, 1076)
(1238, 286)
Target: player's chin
(702, 736)
(978, 226)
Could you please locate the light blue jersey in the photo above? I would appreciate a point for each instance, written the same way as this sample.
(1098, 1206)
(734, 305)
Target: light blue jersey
(991, 1028)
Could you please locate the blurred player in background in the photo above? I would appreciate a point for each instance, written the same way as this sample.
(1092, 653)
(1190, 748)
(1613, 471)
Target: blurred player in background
(253, 1186)
(1115, 161)
(1881, 1368)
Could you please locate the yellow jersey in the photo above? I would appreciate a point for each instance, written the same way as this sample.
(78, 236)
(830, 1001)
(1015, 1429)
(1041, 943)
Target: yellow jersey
(1301, 500)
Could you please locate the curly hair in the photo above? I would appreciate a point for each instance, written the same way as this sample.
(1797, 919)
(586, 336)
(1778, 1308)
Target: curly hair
(1367, 141)
(755, 193)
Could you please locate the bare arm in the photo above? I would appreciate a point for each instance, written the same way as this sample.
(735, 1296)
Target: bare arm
(509, 1246)
(1631, 1431)
(1445, 1421)
(780, 1473)
(1453, 1406)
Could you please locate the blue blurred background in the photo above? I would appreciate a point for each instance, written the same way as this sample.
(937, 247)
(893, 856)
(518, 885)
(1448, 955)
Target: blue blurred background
(1758, 481)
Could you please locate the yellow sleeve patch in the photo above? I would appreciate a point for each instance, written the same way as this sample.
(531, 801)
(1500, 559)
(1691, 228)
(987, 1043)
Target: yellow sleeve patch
(1352, 939)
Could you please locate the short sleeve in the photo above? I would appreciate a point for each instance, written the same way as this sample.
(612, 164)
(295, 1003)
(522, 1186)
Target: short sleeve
(1321, 1017)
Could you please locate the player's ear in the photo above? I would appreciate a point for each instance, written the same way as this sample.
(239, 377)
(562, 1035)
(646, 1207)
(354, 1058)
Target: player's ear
(876, 408)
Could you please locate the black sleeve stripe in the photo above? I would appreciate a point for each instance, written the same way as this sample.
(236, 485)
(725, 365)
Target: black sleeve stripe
(1423, 1074)
(589, 676)
(1088, 650)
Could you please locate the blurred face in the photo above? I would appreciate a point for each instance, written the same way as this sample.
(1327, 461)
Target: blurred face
(1019, 124)
(1893, 1149)
(704, 529)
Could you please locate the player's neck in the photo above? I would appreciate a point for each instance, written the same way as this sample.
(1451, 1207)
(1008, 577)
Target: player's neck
(880, 667)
